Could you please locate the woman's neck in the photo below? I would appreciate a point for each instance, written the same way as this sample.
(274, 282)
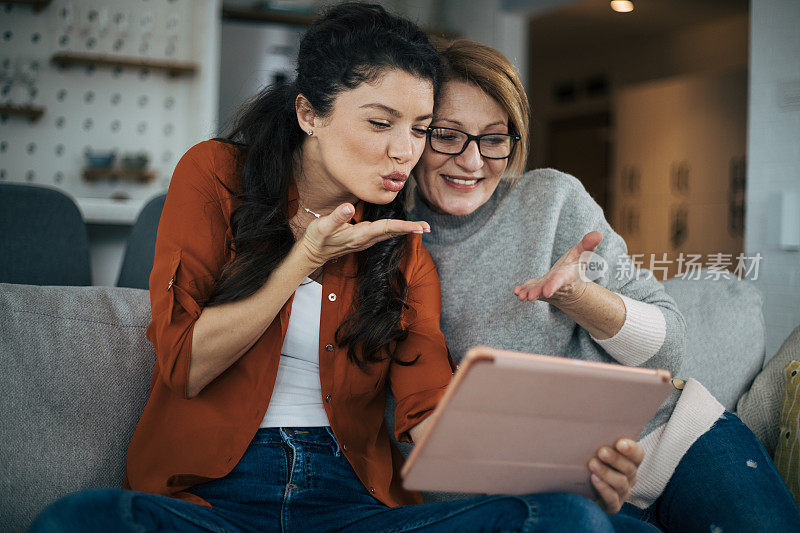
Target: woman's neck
(318, 192)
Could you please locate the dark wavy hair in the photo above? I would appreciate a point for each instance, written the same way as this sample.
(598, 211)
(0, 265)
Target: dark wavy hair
(350, 44)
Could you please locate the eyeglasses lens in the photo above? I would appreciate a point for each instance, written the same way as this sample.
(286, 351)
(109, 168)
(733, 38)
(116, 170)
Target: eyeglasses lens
(450, 141)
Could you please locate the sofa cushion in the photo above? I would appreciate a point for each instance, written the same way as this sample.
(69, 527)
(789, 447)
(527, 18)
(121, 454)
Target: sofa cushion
(724, 333)
(787, 454)
(76, 375)
(760, 407)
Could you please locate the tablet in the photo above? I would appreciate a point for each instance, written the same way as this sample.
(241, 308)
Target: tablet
(518, 423)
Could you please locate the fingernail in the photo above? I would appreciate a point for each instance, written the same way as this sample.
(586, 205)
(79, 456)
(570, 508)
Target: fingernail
(419, 231)
(594, 464)
(604, 453)
(348, 210)
(624, 446)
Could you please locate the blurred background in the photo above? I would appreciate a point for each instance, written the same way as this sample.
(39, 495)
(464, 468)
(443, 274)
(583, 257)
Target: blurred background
(681, 117)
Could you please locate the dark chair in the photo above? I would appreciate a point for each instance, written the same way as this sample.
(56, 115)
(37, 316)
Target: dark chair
(141, 247)
(43, 239)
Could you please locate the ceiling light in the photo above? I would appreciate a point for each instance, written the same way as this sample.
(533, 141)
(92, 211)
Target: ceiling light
(622, 6)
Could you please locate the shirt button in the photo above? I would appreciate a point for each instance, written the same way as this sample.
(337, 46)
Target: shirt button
(344, 447)
(329, 347)
(372, 489)
(332, 297)
(328, 398)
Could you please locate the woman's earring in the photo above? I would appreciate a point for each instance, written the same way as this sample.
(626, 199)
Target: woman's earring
(310, 132)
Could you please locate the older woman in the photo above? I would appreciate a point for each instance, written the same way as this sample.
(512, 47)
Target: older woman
(493, 229)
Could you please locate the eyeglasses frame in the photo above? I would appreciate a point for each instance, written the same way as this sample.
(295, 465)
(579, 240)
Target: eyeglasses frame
(477, 138)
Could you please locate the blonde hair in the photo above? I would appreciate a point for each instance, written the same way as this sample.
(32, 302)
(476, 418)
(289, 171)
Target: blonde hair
(492, 72)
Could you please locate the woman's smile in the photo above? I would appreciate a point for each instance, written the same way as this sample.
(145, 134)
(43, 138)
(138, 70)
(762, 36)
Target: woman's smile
(462, 183)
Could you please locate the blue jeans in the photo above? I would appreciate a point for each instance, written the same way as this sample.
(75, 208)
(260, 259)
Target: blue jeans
(296, 479)
(726, 483)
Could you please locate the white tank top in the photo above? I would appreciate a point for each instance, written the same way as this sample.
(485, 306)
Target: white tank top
(297, 398)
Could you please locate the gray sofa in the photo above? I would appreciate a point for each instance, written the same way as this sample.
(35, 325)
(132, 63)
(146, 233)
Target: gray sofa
(76, 371)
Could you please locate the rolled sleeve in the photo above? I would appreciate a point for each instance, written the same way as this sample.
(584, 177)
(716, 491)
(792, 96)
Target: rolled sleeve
(641, 335)
(419, 387)
(191, 249)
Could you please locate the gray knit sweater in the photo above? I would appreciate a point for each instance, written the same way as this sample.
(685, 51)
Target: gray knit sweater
(519, 234)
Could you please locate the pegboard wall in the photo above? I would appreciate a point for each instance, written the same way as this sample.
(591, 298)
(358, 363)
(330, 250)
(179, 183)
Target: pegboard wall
(93, 107)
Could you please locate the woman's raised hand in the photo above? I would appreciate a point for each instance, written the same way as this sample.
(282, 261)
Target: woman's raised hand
(332, 235)
(563, 282)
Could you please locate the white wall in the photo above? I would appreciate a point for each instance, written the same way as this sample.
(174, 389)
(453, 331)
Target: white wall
(773, 166)
(126, 110)
(251, 55)
(485, 21)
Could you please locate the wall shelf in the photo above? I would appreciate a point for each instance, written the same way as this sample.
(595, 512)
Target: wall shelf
(106, 211)
(172, 68)
(289, 18)
(144, 175)
(31, 111)
(37, 5)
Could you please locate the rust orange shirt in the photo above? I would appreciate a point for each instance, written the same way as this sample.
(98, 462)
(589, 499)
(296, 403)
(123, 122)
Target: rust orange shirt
(181, 442)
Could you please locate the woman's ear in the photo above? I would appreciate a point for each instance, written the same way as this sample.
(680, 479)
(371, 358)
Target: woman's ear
(305, 113)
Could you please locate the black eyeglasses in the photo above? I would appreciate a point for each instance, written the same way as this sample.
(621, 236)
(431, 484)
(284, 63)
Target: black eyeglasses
(450, 141)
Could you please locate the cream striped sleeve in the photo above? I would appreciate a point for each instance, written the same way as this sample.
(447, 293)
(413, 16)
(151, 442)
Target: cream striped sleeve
(641, 335)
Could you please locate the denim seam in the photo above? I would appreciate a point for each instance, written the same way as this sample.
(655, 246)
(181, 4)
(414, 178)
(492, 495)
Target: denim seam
(432, 520)
(126, 511)
(533, 514)
(308, 469)
(337, 451)
(267, 441)
(309, 441)
(198, 522)
(191, 519)
(287, 491)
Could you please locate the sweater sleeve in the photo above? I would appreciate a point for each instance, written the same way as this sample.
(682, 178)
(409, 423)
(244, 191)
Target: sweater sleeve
(641, 335)
(637, 344)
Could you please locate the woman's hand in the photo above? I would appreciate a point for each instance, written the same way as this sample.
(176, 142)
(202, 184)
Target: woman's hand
(332, 235)
(614, 473)
(563, 282)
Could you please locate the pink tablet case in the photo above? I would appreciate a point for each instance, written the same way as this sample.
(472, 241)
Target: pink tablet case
(517, 423)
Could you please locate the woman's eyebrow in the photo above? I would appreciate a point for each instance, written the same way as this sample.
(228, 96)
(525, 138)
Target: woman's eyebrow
(457, 123)
(393, 112)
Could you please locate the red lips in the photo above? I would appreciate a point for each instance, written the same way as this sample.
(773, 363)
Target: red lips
(395, 181)
(396, 176)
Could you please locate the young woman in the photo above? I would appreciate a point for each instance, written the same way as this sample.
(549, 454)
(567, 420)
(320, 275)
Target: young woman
(287, 290)
(493, 228)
